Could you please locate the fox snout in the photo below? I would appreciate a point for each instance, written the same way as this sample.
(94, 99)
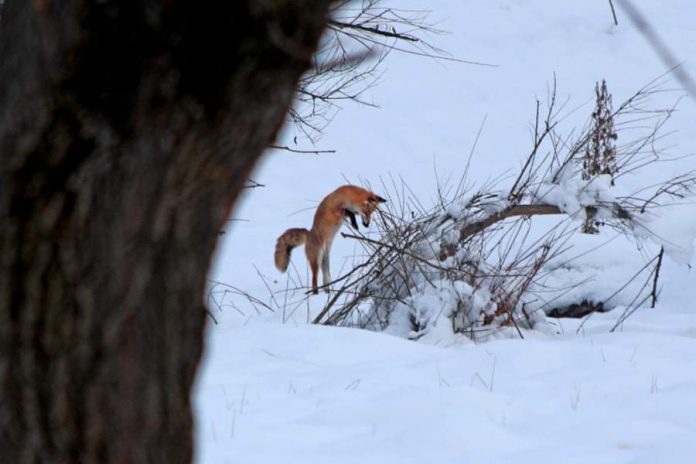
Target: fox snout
(370, 206)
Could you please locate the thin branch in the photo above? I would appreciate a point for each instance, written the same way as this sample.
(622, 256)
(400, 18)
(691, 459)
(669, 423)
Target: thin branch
(251, 183)
(653, 294)
(613, 13)
(374, 30)
(294, 150)
(659, 45)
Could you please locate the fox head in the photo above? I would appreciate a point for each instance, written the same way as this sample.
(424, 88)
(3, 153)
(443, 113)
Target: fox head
(367, 206)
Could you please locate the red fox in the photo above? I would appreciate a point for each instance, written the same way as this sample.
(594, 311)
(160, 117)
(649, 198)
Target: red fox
(346, 201)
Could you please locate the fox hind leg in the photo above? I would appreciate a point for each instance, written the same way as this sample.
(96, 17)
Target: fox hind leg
(326, 273)
(314, 266)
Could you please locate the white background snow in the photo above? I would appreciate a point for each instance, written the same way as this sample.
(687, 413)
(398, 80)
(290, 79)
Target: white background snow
(274, 389)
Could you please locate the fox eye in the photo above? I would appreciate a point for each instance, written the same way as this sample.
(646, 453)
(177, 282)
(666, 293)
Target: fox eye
(371, 200)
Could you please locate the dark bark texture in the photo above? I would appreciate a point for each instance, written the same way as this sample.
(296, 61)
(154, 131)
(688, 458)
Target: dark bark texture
(127, 130)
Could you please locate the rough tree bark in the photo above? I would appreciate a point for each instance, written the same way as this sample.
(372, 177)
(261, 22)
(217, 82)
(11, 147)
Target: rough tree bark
(127, 130)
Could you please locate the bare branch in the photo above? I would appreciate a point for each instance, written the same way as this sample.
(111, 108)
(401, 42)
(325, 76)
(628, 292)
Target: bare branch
(355, 44)
(374, 30)
(658, 266)
(659, 45)
(295, 150)
(613, 13)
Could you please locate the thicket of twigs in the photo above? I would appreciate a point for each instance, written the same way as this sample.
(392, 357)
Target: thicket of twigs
(475, 262)
(472, 263)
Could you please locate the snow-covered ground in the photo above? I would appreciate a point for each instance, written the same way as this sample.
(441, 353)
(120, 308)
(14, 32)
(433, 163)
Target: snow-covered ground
(274, 389)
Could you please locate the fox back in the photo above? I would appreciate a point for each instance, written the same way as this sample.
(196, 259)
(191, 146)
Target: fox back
(348, 199)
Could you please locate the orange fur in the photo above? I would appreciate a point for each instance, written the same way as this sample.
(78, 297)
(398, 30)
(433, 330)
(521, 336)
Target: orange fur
(286, 242)
(346, 201)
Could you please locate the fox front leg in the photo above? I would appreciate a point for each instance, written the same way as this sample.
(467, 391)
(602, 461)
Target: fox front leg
(351, 216)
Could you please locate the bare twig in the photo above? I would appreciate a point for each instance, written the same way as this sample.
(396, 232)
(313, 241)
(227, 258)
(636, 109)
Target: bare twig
(653, 294)
(374, 30)
(659, 45)
(251, 183)
(357, 40)
(613, 13)
(295, 150)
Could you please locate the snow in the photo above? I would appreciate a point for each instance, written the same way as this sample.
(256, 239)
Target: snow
(572, 194)
(273, 388)
(311, 394)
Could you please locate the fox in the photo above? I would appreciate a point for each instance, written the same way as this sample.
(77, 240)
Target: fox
(345, 202)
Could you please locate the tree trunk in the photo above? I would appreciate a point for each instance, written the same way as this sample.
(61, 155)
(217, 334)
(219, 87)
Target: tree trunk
(127, 130)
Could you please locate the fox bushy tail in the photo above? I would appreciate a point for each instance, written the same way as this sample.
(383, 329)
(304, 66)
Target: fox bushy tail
(286, 242)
